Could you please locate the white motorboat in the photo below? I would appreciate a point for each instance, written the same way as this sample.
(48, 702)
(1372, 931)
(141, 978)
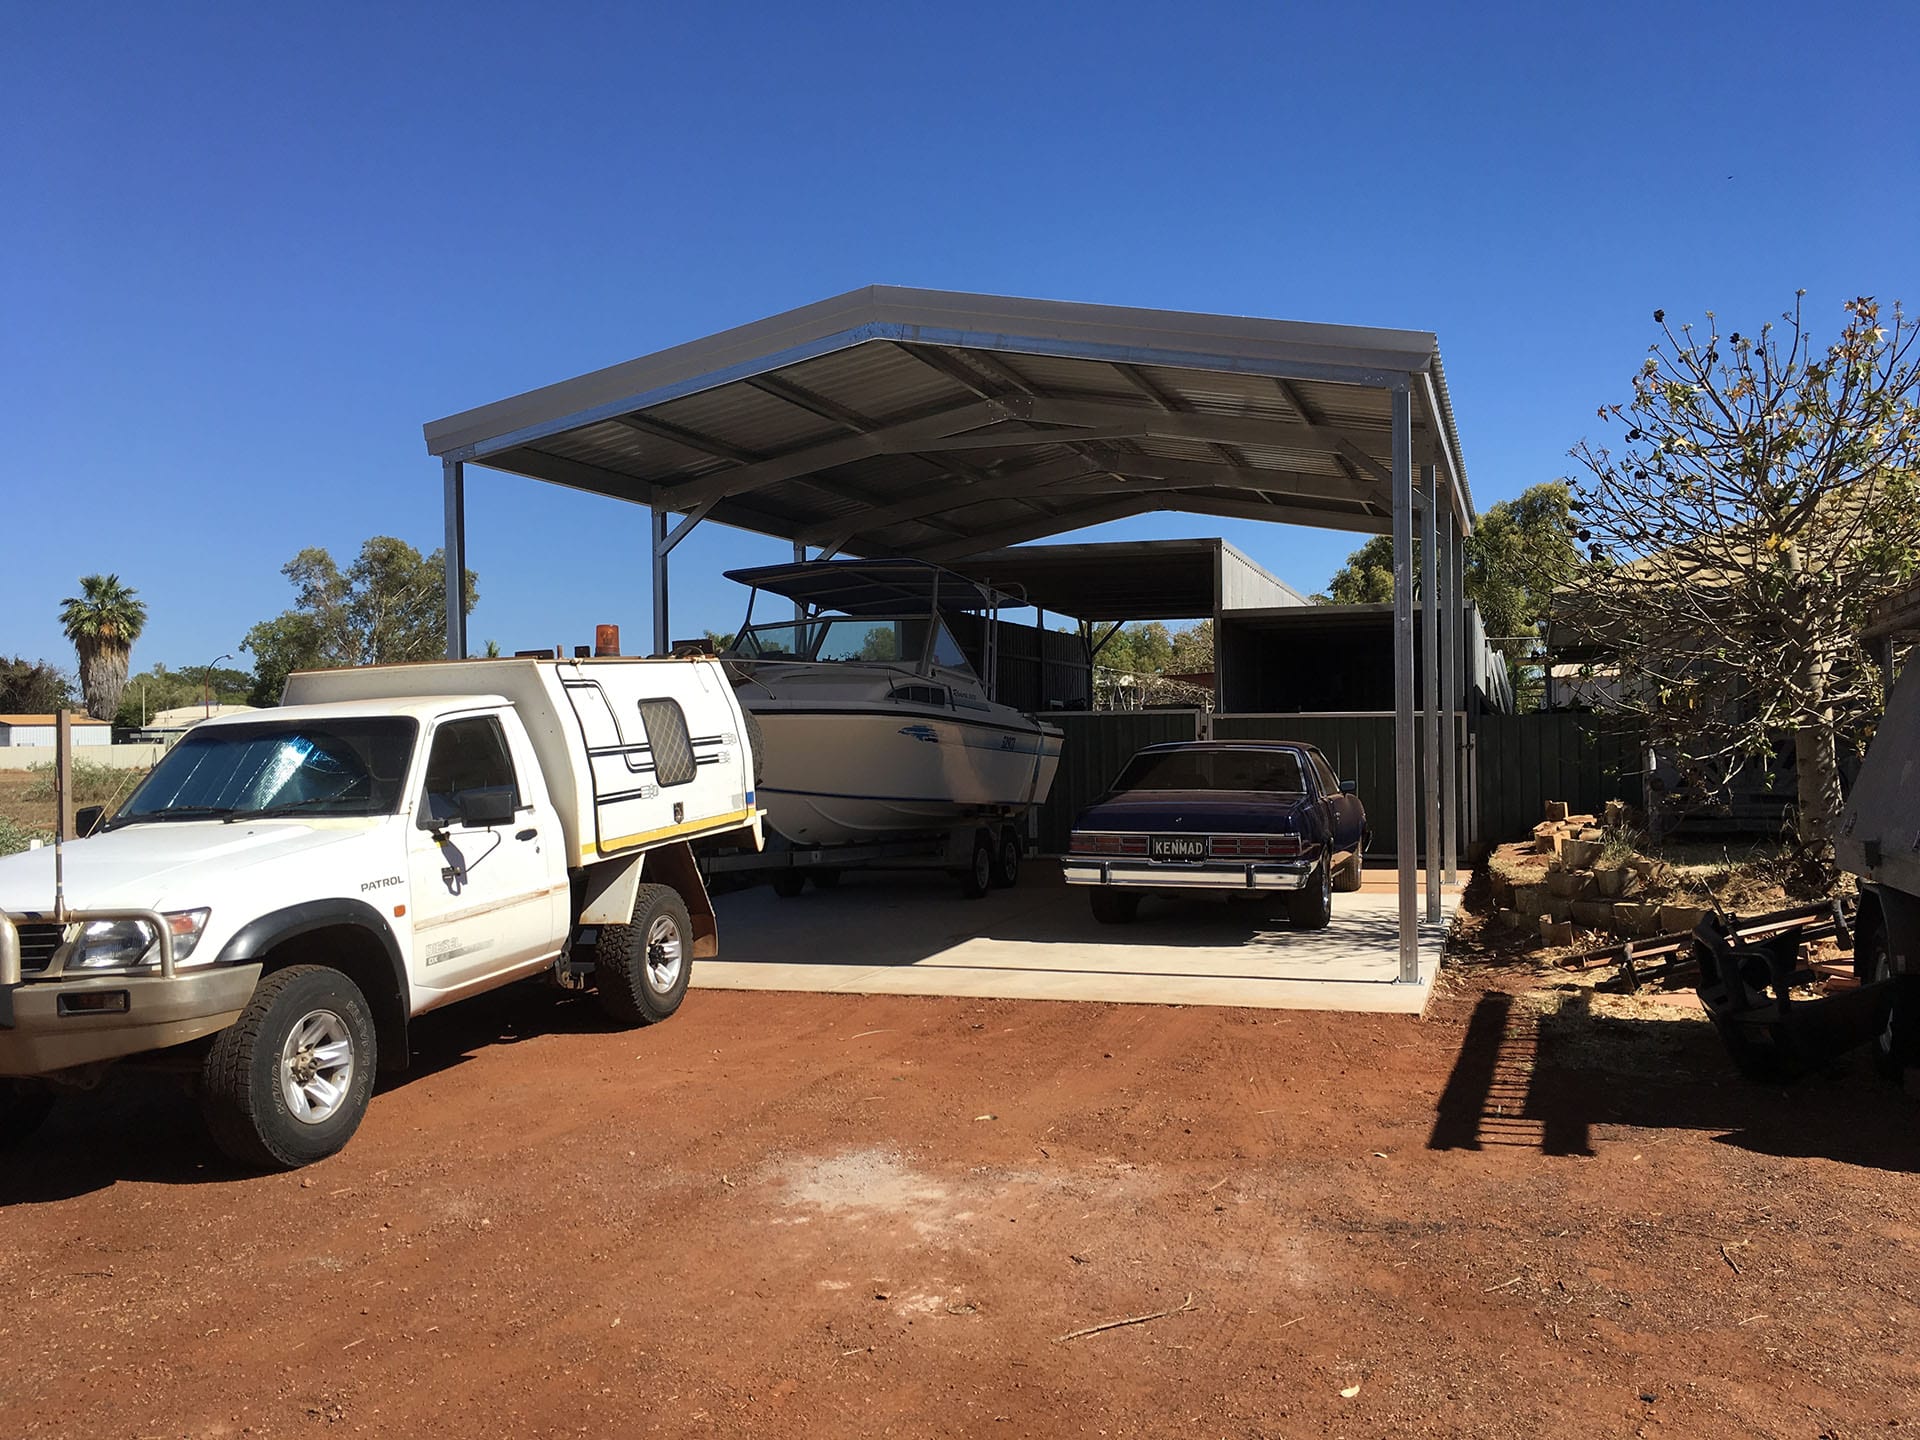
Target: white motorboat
(873, 722)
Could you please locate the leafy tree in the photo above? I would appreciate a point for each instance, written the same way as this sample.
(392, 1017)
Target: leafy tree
(33, 687)
(384, 608)
(1765, 493)
(1143, 648)
(160, 689)
(1192, 650)
(103, 621)
(1367, 577)
(1519, 553)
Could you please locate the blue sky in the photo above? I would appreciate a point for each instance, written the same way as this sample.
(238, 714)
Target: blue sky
(248, 251)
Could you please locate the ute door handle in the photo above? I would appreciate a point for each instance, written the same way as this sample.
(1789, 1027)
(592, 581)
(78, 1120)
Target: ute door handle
(527, 834)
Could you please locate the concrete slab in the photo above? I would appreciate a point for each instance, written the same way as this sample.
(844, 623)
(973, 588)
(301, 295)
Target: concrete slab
(912, 934)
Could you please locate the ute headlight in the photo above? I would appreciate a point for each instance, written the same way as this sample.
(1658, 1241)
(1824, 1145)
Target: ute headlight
(126, 944)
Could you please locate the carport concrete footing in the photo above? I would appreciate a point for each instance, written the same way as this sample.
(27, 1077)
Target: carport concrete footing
(912, 934)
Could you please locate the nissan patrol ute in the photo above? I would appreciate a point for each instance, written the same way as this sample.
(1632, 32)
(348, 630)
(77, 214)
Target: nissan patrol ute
(287, 889)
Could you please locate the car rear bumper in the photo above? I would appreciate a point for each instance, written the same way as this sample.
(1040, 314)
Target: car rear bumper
(1242, 876)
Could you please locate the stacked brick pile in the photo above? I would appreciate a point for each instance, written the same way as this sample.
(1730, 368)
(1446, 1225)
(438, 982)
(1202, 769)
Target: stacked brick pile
(1579, 891)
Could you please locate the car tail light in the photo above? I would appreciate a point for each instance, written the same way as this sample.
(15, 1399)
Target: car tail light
(1095, 842)
(1255, 847)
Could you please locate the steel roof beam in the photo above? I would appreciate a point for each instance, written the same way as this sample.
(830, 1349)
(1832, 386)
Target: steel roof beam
(1234, 477)
(1207, 428)
(903, 438)
(1355, 520)
(951, 496)
(1035, 529)
(573, 474)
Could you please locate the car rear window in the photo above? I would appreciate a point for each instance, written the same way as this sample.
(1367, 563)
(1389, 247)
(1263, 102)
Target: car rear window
(1270, 772)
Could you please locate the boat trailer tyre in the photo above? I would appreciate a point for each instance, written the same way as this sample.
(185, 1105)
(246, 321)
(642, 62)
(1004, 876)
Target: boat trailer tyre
(825, 879)
(24, 1105)
(977, 878)
(640, 971)
(1347, 878)
(1312, 907)
(1114, 907)
(1006, 859)
(788, 883)
(288, 1082)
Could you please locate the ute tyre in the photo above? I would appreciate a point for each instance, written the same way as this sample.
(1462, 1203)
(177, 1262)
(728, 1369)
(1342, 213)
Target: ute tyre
(1896, 1044)
(24, 1107)
(1114, 907)
(787, 884)
(640, 970)
(289, 1081)
(1312, 908)
(1006, 859)
(977, 878)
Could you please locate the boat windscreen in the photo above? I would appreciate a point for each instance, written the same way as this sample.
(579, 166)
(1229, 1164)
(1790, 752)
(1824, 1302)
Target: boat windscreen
(1266, 772)
(859, 639)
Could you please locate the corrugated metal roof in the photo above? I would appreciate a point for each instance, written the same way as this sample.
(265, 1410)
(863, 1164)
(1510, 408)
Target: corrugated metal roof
(890, 421)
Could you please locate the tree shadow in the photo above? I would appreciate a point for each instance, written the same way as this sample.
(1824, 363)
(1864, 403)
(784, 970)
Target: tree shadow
(1542, 1081)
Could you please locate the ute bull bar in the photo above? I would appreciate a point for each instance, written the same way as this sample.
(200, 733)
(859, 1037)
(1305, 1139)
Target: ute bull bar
(10, 961)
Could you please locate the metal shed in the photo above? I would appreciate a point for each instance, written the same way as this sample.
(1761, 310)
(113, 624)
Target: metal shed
(937, 425)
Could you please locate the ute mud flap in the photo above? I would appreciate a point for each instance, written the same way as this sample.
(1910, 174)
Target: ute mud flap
(1771, 1034)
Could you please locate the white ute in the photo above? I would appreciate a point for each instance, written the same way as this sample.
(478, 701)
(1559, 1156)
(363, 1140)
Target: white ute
(287, 889)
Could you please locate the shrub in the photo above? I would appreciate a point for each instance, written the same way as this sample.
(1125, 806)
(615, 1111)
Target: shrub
(93, 783)
(15, 837)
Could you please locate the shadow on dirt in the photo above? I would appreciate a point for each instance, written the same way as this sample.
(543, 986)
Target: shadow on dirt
(1541, 1080)
(143, 1125)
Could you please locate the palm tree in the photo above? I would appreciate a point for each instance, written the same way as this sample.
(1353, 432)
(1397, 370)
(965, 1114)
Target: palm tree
(103, 621)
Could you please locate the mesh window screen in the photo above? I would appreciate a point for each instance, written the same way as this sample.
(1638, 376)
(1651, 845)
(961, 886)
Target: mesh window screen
(673, 762)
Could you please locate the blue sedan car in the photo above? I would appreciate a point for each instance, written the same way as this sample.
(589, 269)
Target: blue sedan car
(1241, 818)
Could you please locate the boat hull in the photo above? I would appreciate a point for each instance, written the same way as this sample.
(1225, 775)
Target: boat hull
(841, 774)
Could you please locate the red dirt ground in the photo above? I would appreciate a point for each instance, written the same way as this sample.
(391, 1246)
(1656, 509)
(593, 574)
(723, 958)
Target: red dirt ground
(840, 1215)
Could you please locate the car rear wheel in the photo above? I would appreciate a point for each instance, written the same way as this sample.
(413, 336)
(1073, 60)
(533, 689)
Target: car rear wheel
(1312, 908)
(1114, 907)
(1349, 876)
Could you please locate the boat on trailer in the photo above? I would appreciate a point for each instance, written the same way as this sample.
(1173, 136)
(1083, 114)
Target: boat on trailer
(874, 724)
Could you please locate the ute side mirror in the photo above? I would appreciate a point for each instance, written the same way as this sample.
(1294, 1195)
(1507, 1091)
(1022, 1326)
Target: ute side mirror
(489, 805)
(1349, 787)
(87, 819)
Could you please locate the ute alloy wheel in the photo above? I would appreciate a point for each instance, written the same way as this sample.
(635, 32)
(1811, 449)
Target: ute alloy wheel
(289, 1081)
(641, 969)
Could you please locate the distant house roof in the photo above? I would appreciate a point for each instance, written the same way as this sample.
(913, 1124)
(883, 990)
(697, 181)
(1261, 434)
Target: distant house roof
(47, 720)
(181, 716)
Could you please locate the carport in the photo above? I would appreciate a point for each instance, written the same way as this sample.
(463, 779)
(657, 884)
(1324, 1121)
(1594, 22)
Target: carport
(942, 426)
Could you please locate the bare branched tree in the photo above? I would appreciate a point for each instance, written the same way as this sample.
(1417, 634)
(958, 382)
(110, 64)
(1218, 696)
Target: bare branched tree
(1765, 492)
